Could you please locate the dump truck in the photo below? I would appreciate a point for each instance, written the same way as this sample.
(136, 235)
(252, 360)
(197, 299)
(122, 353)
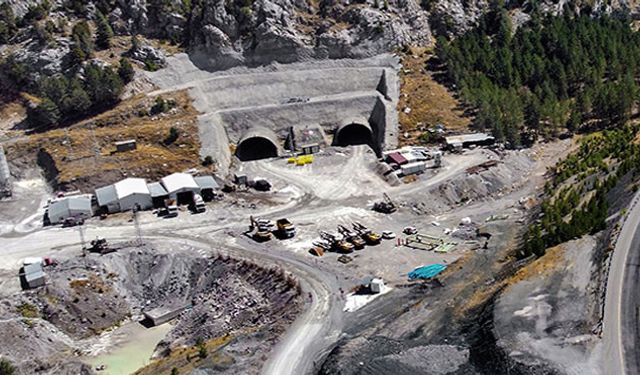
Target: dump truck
(351, 236)
(386, 206)
(286, 228)
(338, 245)
(170, 208)
(198, 204)
(371, 237)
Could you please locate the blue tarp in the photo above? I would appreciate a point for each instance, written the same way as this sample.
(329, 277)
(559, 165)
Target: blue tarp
(426, 272)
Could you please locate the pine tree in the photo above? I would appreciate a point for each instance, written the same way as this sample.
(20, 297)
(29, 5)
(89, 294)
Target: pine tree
(46, 113)
(104, 32)
(82, 47)
(125, 70)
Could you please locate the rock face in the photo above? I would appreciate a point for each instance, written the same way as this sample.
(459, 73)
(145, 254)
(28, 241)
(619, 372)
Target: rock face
(222, 34)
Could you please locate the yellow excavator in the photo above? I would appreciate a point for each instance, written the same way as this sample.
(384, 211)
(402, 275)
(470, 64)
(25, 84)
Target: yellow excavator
(351, 236)
(341, 246)
(262, 229)
(371, 237)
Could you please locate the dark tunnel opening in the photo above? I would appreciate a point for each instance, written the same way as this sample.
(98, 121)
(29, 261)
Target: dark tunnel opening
(256, 148)
(354, 134)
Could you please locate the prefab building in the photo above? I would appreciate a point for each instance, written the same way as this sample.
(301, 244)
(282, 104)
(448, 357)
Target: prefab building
(208, 186)
(181, 187)
(158, 194)
(124, 195)
(413, 168)
(77, 207)
(107, 199)
(133, 192)
(396, 158)
(32, 276)
(161, 315)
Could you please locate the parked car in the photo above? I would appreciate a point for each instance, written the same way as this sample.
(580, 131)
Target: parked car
(388, 235)
(410, 230)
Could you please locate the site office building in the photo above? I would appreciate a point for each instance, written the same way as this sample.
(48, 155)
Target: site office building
(181, 187)
(125, 195)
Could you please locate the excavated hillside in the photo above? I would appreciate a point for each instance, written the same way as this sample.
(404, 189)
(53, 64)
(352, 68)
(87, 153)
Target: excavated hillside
(232, 302)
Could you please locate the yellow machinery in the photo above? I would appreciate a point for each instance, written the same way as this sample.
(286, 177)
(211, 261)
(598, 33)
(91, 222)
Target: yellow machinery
(300, 160)
(338, 245)
(367, 234)
(354, 238)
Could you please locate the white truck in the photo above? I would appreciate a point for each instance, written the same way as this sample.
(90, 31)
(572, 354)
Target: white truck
(198, 204)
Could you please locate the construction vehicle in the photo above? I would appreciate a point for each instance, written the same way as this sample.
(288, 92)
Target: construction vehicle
(386, 206)
(198, 204)
(316, 251)
(338, 245)
(170, 208)
(351, 236)
(100, 246)
(371, 237)
(261, 229)
(285, 228)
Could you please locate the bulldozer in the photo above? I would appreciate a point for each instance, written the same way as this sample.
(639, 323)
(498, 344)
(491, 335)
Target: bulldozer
(338, 245)
(387, 206)
(351, 236)
(371, 237)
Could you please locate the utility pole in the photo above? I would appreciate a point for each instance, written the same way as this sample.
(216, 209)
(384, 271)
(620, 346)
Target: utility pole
(136, 223)
(82, 241)
(96, 146)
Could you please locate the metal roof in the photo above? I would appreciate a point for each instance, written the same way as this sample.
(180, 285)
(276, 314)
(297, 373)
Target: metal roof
(64, 206)
(130, 186)
(178, 181)
(473, 137)
(206, 182)
(33, 271)
(106, 195)
(397, 158)
(156, 190)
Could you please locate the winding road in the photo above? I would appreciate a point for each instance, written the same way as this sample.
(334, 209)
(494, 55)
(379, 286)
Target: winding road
(315, 329)
(622, 302)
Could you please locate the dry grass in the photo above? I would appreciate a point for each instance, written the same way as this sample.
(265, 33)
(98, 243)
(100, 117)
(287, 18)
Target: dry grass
(187, 359)
(10, 115)
(551, 261)
(84, 154)
(92, 283)
(430, 102)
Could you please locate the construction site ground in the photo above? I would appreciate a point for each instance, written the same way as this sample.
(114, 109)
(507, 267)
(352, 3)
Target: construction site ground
(338, 188)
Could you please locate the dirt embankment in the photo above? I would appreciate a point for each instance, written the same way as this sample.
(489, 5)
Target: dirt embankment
(84, 155)
(424, 102)
(236, 308)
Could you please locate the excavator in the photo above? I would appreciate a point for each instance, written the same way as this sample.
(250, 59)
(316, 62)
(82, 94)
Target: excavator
(339, 245)
(351, 236)
(386, 206)
(371, 237)
(262, 229)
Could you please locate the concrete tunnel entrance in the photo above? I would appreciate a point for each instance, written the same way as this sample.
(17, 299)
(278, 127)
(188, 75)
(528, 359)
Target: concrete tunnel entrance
(353, 134)
(256, 148)
(258, 143)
